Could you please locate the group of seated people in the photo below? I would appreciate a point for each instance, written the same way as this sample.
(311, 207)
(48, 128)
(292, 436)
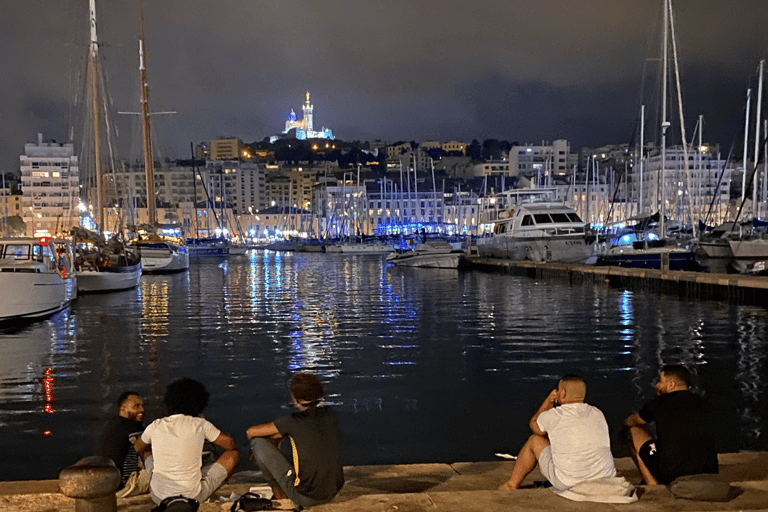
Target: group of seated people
(168, 452)
(570, 442)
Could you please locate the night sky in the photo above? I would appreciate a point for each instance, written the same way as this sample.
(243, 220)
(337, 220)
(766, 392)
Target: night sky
(444, 70)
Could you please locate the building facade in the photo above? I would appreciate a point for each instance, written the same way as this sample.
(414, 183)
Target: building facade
(50, 186)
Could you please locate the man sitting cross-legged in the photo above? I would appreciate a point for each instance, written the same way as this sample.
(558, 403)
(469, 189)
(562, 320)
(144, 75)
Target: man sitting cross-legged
(175, 465)
(570, 440)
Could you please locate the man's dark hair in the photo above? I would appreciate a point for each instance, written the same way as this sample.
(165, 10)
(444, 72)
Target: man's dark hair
(572, 377)
(306, 388)
(678, 373)
(186, 396)
(124, 396)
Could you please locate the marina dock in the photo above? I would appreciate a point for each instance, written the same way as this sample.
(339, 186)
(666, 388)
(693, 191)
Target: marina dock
(465, 487)
(732, 288)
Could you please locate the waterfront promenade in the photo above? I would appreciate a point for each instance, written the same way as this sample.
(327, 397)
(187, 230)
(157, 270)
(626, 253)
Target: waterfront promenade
(469, 486)
(733, 288)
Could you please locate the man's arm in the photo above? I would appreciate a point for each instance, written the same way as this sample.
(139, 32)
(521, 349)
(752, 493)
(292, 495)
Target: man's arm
(546, 405)
(142, 448)
(264, 430)
(225, 441)
(634, 421)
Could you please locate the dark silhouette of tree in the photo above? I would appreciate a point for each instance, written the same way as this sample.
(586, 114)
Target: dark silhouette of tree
(475, 151)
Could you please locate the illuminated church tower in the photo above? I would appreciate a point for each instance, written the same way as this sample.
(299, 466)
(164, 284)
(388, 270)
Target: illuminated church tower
(307, 109)
(304, 127)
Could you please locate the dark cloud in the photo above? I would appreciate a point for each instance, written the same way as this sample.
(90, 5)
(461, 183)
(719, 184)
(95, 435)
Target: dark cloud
(391, 70)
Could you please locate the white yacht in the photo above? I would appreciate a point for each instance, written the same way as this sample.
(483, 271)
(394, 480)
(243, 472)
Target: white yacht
(37, 277)
(537, 231)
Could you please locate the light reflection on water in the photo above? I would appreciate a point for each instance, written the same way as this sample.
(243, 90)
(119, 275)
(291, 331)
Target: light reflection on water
(421, 364)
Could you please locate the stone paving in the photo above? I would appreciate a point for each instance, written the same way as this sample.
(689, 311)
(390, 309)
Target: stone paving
(463, 486)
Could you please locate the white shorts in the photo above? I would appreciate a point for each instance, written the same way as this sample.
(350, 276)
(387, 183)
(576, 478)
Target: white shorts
(547, 468)
(213, 475)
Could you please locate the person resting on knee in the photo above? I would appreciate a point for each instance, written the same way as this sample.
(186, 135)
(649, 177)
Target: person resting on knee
(314, 474)
(570, 440)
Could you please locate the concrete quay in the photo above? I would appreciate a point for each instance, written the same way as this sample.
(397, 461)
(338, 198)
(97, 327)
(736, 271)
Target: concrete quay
(462, 486)
(733, 288)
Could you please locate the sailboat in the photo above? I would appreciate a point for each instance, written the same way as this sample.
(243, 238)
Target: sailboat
(160, 253)
(102, 266)
(658, 253)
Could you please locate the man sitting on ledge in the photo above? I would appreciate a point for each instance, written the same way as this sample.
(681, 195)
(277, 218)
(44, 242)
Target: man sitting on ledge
(570, 440)
(176, 443)
(684, 445)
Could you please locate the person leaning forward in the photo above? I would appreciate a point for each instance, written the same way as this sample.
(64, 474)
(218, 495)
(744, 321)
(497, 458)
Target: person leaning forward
(570, 440)
(315, 474)
(683, 444)
(176, 442)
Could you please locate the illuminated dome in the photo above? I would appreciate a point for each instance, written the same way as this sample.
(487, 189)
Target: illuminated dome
(292, 116)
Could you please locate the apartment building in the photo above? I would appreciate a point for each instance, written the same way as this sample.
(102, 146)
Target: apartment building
(50, 187)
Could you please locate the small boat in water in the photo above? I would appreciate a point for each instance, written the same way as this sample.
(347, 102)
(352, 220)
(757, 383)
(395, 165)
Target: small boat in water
(214, 246)
(431, 254)
(655, 254)
(37, 277)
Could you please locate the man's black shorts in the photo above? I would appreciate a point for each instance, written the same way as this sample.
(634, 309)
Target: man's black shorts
(650, 457)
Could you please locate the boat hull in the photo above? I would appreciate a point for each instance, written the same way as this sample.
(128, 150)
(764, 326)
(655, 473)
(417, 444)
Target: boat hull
(565, 249)
(366, 248)
(34, 288)
(679, 259)
(163, 257)
(448, 260)
(108, 279)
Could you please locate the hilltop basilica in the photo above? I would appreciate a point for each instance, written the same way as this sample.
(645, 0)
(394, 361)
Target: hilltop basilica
(303, 127)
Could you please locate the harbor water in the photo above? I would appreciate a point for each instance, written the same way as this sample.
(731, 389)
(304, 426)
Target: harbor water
(421, 365)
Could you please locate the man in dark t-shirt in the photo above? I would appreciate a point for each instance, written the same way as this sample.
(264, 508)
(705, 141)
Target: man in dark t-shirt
(683, 444)
(116, 440)
(314, 475)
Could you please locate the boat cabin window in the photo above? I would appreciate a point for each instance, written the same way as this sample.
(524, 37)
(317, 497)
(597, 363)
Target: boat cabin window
(574, 217)
(527, 220)
(560, 217)
(16, 251)
(542, 218)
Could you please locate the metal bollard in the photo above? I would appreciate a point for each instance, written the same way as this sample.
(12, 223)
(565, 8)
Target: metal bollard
(92, 481)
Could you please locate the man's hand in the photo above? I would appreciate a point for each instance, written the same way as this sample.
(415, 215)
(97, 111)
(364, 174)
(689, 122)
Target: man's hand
(546, 405)
(551, 398)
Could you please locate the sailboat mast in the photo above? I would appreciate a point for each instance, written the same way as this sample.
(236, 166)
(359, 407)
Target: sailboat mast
(664, 123)
(146, 133)
(757, 136)
(94, 93)
(641, 202)
(746, 145)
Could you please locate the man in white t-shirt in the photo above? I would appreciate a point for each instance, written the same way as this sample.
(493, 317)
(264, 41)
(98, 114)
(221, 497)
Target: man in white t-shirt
(176, 445)
(570, 440)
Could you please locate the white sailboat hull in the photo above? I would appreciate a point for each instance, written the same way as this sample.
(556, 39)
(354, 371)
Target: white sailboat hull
(109, 280)
(163, 257)
(366, 248)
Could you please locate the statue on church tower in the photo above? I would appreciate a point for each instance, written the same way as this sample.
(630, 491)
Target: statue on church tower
(307, 110)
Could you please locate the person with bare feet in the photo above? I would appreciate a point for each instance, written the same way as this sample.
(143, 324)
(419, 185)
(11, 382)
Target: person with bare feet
(176, 445)
(314, 474)
(684, 444)
(570, 440)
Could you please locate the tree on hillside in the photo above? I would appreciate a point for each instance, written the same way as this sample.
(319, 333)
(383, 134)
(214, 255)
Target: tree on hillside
(475, 151)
